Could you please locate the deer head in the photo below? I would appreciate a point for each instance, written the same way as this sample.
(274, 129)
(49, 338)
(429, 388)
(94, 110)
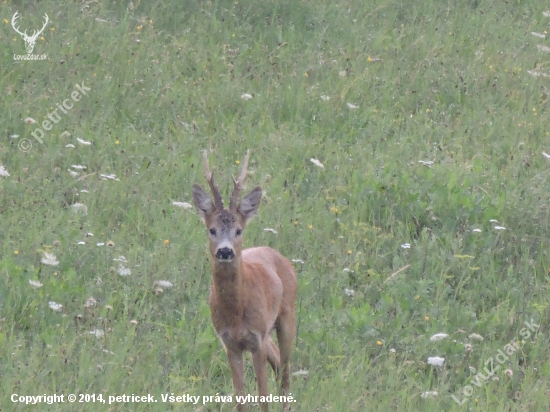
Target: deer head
(225, 226)
(30, 41)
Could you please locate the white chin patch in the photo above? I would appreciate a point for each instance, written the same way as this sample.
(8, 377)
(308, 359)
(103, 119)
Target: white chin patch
(225, 260)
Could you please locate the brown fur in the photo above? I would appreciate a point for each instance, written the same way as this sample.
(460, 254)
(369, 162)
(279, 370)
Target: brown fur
(251, 294)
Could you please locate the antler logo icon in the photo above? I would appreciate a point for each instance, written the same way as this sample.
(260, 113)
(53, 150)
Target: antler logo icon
(30, 41)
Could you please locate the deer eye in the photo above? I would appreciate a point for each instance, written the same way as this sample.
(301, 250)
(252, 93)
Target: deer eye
(213, 231)
(239, 232)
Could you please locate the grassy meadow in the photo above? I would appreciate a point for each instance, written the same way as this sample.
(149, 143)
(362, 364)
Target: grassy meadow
(425, 211)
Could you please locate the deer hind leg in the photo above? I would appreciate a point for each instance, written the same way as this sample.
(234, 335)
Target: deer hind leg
(286, 333)
(273, 356)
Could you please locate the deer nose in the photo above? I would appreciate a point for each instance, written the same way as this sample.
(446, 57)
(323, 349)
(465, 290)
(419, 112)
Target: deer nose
(225, 253)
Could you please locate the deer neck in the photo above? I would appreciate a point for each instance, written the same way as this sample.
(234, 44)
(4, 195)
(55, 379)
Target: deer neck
(227, 284)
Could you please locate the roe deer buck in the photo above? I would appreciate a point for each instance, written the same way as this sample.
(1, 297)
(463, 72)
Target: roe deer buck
(253, 290)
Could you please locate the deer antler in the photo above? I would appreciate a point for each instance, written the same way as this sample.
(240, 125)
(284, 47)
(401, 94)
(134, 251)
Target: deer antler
(218, 201)
(13, 19)
(239, 184)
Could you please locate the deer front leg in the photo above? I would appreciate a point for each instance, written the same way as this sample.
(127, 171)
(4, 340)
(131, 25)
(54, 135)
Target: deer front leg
(237, 373)
(259, 359)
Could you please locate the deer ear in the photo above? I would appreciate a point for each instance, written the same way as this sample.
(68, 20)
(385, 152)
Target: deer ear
(250, 203)
(203, 203)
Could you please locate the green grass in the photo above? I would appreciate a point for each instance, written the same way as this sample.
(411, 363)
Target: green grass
(447, 82)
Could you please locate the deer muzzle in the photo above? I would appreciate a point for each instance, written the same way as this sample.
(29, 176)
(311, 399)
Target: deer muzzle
(225, 254)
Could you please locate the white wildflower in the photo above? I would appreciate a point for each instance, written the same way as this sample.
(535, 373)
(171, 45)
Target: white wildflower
(120, 259)
(406, 245)
(79, 167)
(346, 270)
(298, 261)
(30, 120)
(84, 191)
(83, 142)
(56, 307)
(89, 234)
(49, 259)
(164, 284)
(35, 284)
(81, 243)
(325, 98)
(246, 96)
(3, 171)
(468, 347)
(349, 292)
(546, 13)
(499, 228)
(438, 336)
(70, 146)
(301, 372)
(476, 230)
(268, 229)
(436, 360)
(73, 173)
(543, 48)
(493, 221)
(80, 208)
(124, 271)
(352, 106)
(97, 333)
(183, 205)
(537, 74)
(429, 394)
(475, 336)
(539, 35)
(316, 163)
(101, 244)
(90, 302)
(392, 350)
(426, 162)
(546, 155)
(108, 177)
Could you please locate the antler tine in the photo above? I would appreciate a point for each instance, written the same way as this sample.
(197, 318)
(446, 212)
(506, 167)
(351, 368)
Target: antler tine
(239, 183)
(37, 32)
(13, 20)
(207, 171)
(218, 201)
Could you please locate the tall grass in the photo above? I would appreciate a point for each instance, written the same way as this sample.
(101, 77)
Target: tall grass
(460, 85)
